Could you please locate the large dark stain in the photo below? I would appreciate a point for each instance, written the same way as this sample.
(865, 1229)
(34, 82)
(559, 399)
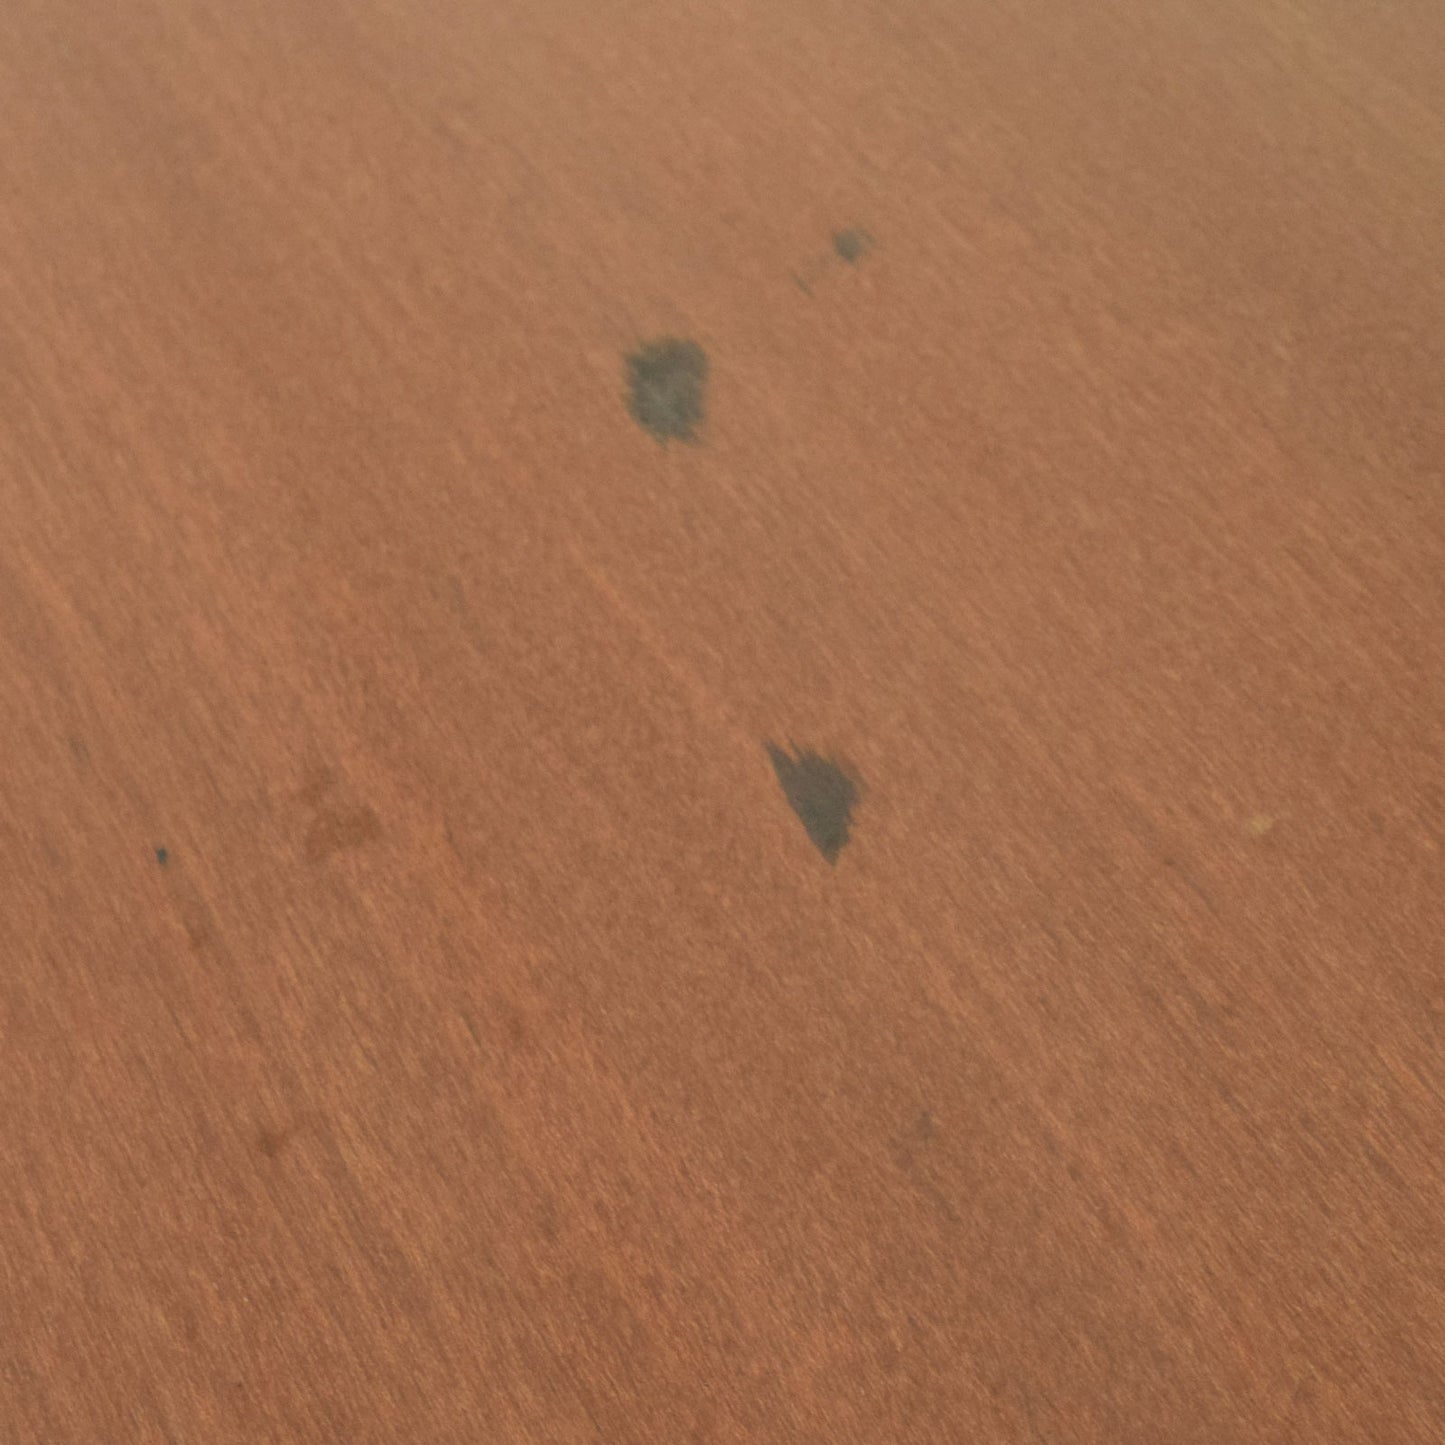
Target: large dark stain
(665, 382)
(820, 793)
(852, 245)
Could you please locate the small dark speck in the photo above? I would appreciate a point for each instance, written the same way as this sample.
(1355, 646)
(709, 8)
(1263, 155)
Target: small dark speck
(820, 793)
(852, 245)
(162, 857)
(665, 382)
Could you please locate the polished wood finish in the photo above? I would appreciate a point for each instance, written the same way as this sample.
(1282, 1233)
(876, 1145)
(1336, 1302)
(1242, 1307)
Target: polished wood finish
(423, 1016)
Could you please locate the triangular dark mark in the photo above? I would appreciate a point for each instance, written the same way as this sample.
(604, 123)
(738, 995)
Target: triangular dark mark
(665, 382)
(820, 793)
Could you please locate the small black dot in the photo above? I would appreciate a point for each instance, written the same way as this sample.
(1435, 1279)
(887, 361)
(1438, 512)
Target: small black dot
(162, 857)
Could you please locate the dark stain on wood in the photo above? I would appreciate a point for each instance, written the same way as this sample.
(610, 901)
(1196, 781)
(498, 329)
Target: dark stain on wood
(666, 380)
(337, 831)
(821, 793)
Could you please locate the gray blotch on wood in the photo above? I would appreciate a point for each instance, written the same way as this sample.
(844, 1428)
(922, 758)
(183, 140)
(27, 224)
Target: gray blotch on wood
(666, 380)
(820, 793)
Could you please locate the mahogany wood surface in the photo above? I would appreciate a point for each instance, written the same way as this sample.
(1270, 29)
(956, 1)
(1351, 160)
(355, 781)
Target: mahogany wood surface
(722, 720)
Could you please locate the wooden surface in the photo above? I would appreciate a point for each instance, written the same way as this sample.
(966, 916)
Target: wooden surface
(424, 1018)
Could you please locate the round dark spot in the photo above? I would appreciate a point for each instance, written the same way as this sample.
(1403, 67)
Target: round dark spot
(665, 382)
(852, 245)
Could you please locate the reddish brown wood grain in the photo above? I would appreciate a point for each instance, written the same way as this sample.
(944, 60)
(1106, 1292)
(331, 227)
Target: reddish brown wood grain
(423, 1017)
